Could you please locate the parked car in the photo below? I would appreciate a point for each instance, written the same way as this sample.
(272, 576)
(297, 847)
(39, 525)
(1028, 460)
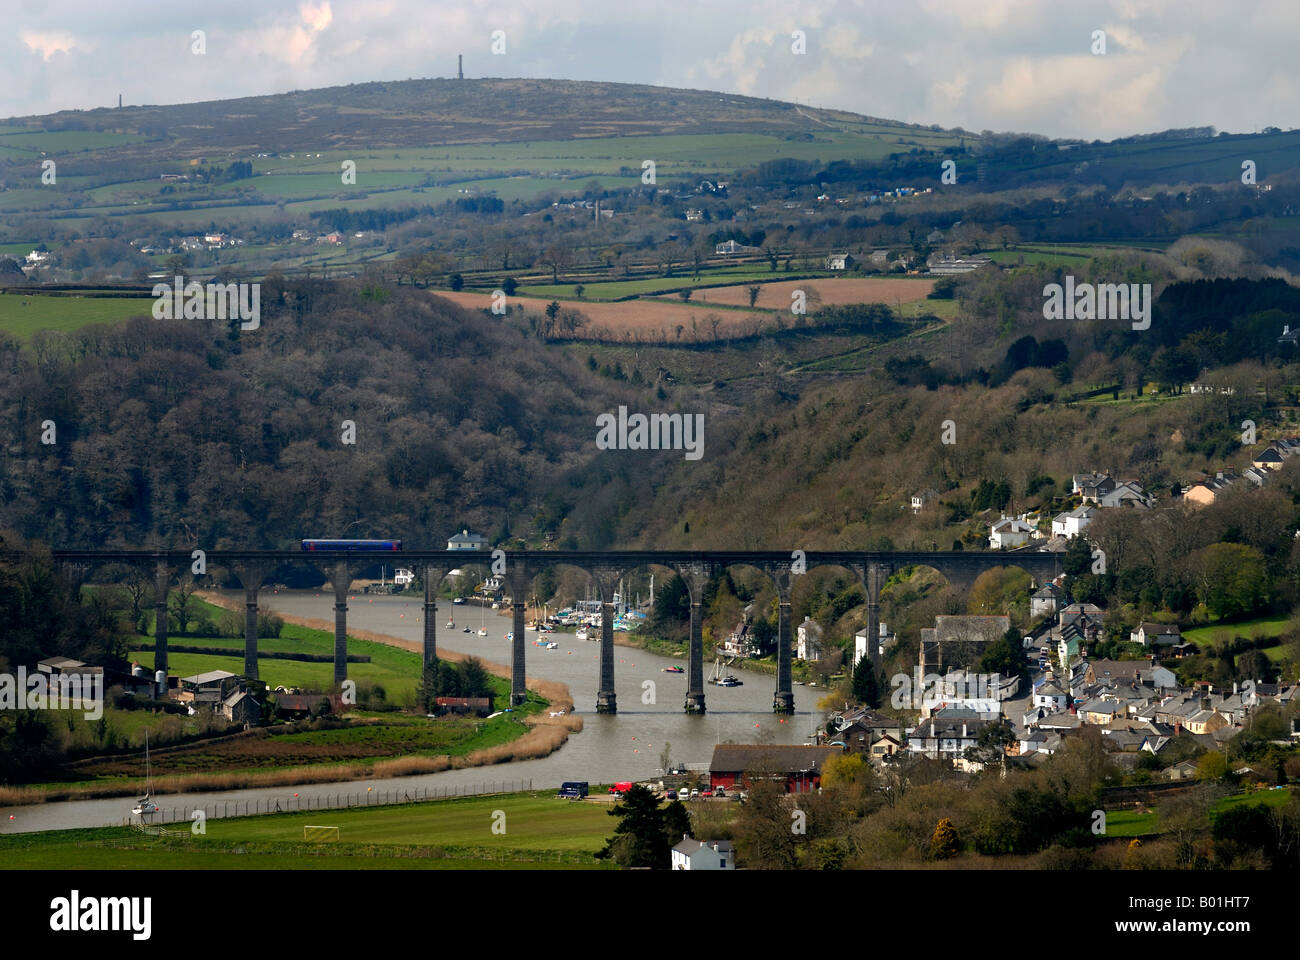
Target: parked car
(707, 793)
(695, 793)
(683, 794)
(719, 792)
(573, 789)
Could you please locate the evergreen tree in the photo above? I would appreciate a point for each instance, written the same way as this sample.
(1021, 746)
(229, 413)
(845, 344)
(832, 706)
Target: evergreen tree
(866, 684)
(677, 823)
(639, 839)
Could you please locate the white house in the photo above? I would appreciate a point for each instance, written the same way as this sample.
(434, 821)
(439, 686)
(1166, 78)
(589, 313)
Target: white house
(693, 854)
(1045, 600)
(808, 644)
(1010, 532)
(919, 500)
(1073, 522)
(1050, 697)
(839, 261)
(403, 577)
(861, 649)
(1126, 493)
(1152, 634)
(467, 541)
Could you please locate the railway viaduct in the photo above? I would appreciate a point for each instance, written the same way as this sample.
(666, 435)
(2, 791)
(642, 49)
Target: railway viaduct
(696, 568)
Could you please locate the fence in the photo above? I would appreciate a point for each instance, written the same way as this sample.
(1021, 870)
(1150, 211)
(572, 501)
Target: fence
(218, 809)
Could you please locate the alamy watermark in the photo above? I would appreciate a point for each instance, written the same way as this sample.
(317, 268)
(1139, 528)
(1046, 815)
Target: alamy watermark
(75, 914)
(213, 301)
(658, 431)
(42, 691)
(1103, 301)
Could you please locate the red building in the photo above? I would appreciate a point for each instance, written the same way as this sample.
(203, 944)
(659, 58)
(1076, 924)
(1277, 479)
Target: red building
(799, 767)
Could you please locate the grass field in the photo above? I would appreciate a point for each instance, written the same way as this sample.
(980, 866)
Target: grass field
(539, 830)
(1127, 823)
(1214, 635)
(833, 291)
(22, 314)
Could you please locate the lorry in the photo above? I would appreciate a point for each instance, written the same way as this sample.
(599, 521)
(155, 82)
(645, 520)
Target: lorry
(620, 788)
(573, 790)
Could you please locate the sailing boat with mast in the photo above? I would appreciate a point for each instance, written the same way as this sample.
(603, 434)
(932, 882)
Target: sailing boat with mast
(145, 805)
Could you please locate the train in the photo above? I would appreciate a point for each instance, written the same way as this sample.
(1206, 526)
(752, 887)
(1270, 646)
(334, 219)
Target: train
(354, 546)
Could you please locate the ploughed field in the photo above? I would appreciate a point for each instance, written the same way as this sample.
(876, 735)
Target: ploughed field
(711, 313)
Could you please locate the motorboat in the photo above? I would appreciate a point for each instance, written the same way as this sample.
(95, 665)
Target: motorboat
(673, 670)
(730, 681)
(583, 634)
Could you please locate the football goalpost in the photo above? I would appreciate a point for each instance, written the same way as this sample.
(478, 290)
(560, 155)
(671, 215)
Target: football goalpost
(320, 834)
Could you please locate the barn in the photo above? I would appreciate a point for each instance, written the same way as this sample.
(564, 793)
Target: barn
(799, 767)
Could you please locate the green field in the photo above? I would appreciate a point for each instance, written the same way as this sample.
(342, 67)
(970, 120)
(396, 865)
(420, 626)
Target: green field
(22, 314)
(1215, 635)
(615, 289)
(1126, 823)
(396, 670)
(539, 830)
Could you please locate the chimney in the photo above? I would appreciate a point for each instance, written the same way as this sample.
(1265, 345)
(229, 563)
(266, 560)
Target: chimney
(1178, 728)
(460, 66)
(1205, 703)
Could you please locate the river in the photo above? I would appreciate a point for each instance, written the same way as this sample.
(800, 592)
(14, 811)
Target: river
(625, 746)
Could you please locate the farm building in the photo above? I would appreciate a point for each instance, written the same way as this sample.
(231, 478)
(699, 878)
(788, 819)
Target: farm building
(480, 705)
(799, 767)
(295, 705)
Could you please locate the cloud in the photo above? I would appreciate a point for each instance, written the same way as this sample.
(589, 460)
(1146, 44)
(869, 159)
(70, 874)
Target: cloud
(48, 44)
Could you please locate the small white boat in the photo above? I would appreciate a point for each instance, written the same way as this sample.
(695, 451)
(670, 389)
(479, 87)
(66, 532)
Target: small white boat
(482, 633)
(145, 805)
(450, 622)
(583, 634)
(551, 645)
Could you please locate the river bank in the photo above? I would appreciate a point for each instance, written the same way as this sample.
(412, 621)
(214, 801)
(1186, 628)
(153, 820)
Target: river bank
(546, 732)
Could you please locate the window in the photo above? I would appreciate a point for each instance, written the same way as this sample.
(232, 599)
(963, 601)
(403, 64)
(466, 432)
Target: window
(722, 864)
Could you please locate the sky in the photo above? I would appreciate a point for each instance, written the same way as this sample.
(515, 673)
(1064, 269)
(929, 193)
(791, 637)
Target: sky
(1004, 65)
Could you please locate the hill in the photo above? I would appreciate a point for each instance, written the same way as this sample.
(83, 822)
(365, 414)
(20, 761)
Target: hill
(439, 112)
